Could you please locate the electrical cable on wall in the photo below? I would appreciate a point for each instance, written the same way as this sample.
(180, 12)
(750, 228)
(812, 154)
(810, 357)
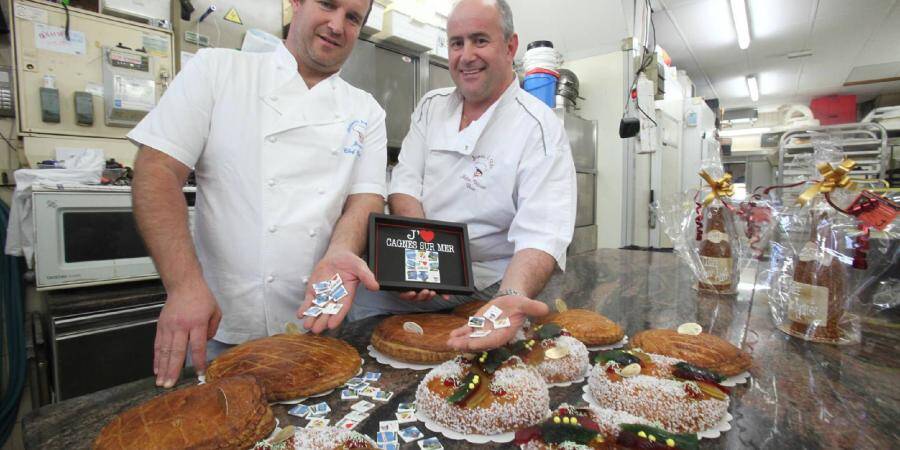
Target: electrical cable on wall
(629, 126)
(9, 144)
(11, 301)
(65, 4)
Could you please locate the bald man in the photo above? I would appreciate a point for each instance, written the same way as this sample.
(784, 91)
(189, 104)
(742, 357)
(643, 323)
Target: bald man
(488, 154)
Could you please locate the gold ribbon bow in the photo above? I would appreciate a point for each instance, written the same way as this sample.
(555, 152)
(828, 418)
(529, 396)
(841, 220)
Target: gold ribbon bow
(720, 188)
(832, 178)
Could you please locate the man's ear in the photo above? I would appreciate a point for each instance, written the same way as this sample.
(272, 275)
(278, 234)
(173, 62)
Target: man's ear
(513, 45)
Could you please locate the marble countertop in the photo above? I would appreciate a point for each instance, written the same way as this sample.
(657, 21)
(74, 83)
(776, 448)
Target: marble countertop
(800, 395)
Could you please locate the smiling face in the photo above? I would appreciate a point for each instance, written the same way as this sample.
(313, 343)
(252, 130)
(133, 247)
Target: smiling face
(323, 32)
(480, 57)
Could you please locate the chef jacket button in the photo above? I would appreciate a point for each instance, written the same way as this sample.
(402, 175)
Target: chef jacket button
(312, 233)
(274, 98)
(272, 139)
(334, 152)
(270, 279)
(305, 280)
(337, 116)
(273, 229)
(272, 182)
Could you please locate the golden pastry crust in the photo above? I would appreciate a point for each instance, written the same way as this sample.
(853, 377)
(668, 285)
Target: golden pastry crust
(229, 413)
(587, 326)
(469, 309)
(704, 350)
(391, 339)
(290, 366)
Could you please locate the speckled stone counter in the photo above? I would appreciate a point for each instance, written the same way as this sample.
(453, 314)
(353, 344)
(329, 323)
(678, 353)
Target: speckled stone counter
(801, 395)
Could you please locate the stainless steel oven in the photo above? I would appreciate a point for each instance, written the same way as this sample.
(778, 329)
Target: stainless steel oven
(102, 336)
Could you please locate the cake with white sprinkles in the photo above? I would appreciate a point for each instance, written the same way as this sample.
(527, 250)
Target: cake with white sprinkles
(588, 428)
(490, 393)
(326, 438)
(672, 393)
(556, 355)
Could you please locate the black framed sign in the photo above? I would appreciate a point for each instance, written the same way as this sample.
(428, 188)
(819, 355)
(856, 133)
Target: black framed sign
(413, 254)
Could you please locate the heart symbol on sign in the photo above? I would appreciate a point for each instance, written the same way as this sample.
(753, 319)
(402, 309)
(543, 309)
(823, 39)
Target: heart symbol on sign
(427, 235)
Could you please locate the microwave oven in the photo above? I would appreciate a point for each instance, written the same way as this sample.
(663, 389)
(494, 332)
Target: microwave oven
(88, 237)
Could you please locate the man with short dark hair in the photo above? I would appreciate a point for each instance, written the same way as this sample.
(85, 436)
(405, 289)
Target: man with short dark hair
(289, 161)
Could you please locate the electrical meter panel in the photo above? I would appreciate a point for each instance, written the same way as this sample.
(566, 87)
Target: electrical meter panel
(121, 65)
(6, 92)
(221, 23)
(129, 86)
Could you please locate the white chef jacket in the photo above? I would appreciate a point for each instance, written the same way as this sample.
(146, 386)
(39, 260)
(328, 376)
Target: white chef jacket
(509, 175)
(275, 162)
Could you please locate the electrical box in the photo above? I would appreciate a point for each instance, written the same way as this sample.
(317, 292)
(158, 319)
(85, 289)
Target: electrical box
(224, 26)
(152, 11)
(129, 86)
(84, 108)
(80, 63)
(49, 105)
(656, 73)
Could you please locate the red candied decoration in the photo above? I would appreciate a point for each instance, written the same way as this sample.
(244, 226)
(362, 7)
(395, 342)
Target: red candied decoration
(525, 435)
(589, 424)
(449, 382)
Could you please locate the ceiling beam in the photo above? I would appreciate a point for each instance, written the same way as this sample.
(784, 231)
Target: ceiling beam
(879, 80)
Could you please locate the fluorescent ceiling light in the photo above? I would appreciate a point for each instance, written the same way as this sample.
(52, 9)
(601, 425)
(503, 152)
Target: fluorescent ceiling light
(744, 132)
(741, 26)
(753, 87)
(799, 54)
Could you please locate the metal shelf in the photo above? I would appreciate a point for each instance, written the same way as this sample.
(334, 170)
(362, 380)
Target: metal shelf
(865, 143)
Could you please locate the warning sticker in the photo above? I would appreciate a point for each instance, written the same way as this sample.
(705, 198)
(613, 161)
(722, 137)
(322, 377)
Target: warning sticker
(233, 16)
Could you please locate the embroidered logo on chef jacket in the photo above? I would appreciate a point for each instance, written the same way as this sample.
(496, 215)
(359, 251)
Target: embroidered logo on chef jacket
(481, 165)
(355, 137)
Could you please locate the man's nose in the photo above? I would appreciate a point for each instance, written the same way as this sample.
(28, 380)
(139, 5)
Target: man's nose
(468, 52)
(336, 22)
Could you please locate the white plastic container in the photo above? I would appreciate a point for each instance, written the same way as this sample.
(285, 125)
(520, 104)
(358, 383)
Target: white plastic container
(375, 23)
(440, 50)
(403, 30)
(543, 58)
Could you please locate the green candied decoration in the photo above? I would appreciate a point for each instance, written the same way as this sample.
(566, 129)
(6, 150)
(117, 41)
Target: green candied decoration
(462, 392)
(548, 331)
(517, 347)
(697, 373)
(620, 357)
(493, 359)
(557, 433)
(682, 441)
